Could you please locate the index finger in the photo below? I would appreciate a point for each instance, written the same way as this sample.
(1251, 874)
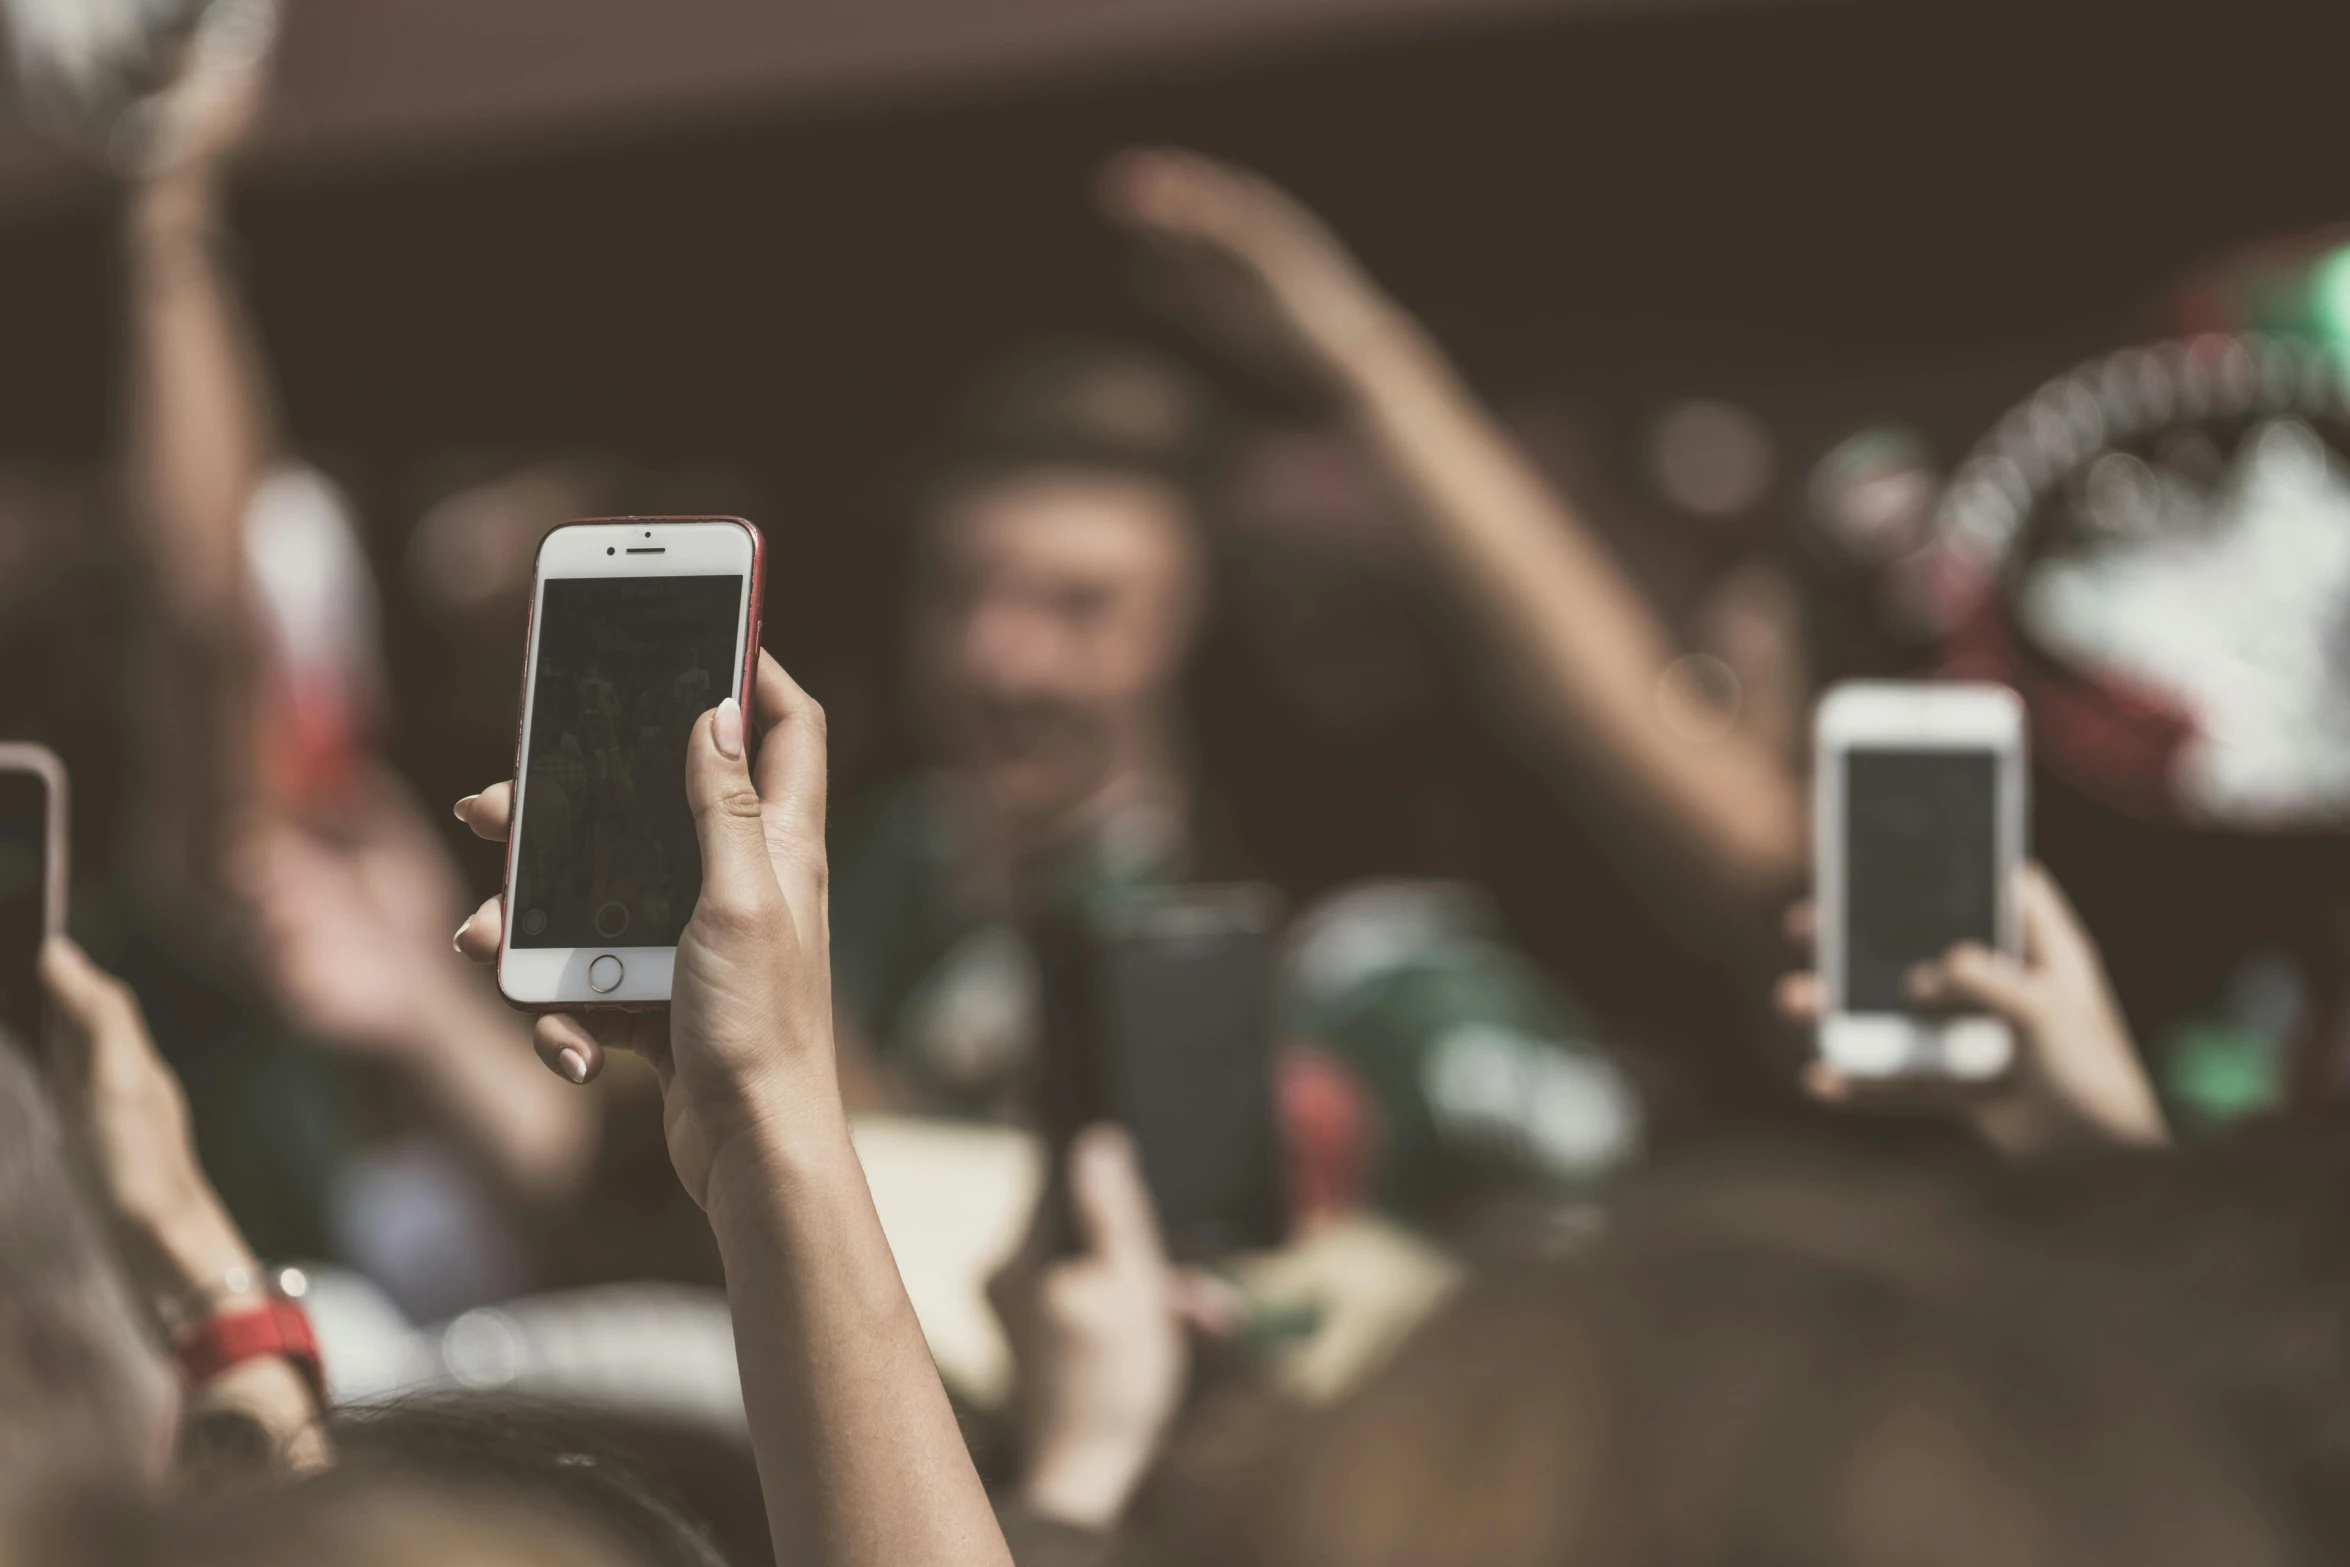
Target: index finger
(488, 812)
(92, 1005)
(1112, 1203)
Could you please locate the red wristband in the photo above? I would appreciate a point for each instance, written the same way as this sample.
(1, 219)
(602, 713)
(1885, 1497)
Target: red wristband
(269, 1325)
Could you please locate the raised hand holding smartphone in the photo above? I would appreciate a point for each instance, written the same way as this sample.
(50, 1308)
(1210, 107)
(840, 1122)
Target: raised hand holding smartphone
(858, 1451)
(639, 626)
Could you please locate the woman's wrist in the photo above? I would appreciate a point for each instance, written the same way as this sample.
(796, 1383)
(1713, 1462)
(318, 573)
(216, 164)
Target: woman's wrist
(783, 1150)
(181, 206)
(189, 1256)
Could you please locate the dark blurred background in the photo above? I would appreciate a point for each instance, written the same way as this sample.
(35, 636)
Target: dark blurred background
(775, 240)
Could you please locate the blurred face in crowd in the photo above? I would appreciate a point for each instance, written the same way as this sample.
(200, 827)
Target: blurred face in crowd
(1057, 612)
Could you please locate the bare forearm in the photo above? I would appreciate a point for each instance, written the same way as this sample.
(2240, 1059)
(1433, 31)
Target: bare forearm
(1581, 644)
(859, 1454)
(196, 432)
(199, 423)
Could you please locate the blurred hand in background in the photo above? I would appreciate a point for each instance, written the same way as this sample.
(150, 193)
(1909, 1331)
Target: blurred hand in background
(352, 935)
(186, 1257)
(1708, 815)
(1098, 1340)
(2077, 1073)
(353, 927)
(1236, 253)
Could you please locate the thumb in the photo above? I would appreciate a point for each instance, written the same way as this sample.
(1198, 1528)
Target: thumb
(95, 1017)
(737, 878)
(1113, 1205)
(1973, 974)
(88, 999)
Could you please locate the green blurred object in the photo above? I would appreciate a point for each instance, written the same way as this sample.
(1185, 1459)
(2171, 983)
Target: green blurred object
(2329, 297)
(1480, 1067)
(2220, 1073)
(2287, 288)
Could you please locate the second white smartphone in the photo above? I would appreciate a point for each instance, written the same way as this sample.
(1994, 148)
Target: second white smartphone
(1919, 823)
(638, 626)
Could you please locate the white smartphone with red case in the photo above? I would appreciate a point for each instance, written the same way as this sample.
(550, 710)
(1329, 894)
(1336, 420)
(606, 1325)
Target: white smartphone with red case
(1919, 823)
(638, 626)
(32, 881)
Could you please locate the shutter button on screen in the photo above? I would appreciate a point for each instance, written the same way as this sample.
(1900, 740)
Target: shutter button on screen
(604, 974)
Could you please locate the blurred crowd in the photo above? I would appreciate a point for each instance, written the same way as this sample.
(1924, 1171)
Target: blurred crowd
(1587, 1259)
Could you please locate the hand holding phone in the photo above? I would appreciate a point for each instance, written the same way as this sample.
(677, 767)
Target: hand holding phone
(747, 1038)
(2077, 1073)
(639, 626)
(1098, 1338)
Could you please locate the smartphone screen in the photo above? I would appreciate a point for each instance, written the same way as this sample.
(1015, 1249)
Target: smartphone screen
(607, 854)
(1160, 1017)
(1921, 864)
(24, 860)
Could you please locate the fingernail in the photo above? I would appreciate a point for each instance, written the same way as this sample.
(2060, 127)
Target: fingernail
(457, 942)
(727, 728)
(458, 810)
(574, 1064)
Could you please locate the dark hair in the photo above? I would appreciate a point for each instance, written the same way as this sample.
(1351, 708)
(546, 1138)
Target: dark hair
(1765, 1371)
(2238, 1261)
(1097, 407)
(560, 1456)
(349, 1516)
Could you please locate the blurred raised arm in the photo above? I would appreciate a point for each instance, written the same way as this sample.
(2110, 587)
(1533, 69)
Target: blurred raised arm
(1719, 819)
(859, 1454)
(200, 420)
(199, 430)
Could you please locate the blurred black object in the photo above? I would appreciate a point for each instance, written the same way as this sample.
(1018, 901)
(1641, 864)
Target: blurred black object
(25, 861)
(674, 1493)
(1158, 1015)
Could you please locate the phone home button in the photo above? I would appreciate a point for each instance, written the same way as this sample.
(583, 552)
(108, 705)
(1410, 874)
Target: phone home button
(604, 975)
